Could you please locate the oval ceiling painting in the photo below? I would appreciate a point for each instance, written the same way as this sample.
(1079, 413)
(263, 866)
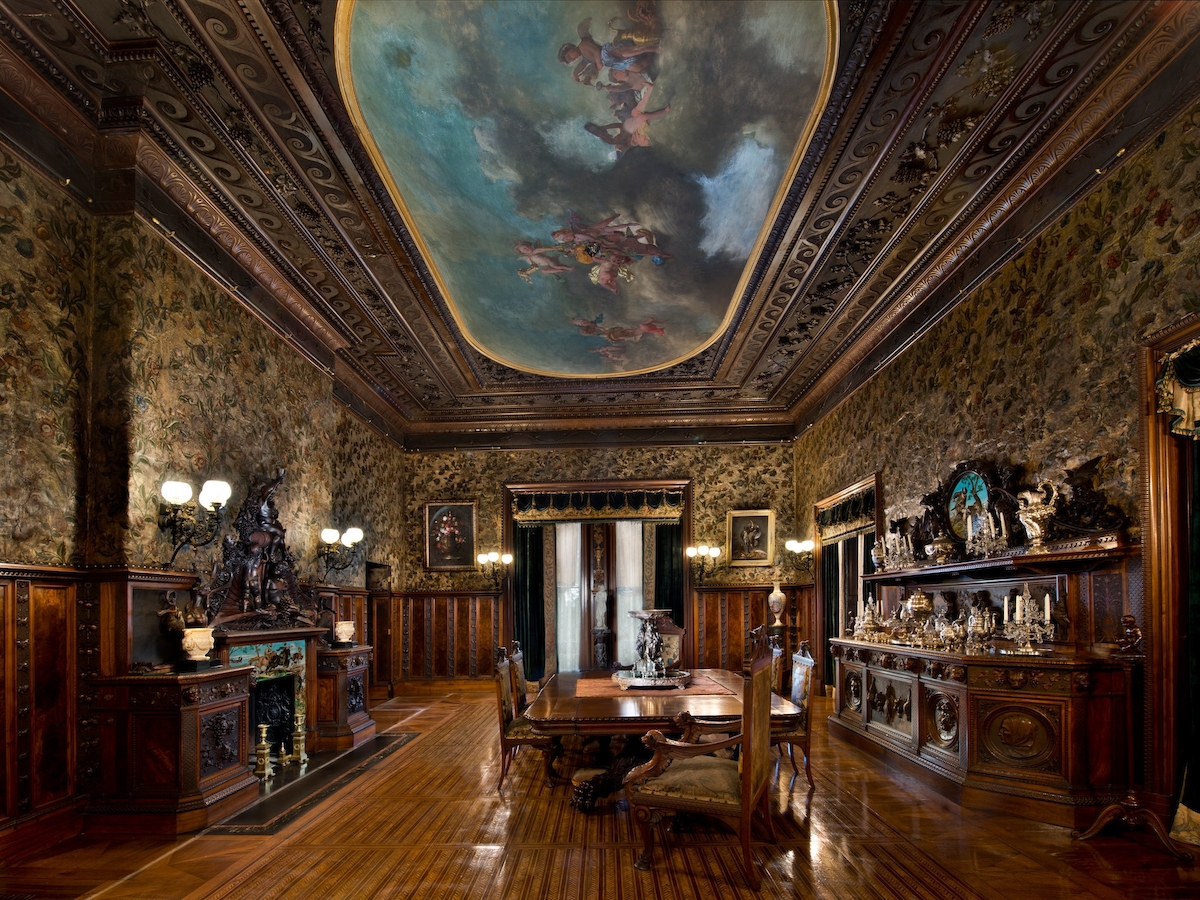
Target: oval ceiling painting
(590, 182)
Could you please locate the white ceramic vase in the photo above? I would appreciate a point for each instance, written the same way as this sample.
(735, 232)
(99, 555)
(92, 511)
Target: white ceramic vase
(776, 601)
(197, 642)
(343, 632)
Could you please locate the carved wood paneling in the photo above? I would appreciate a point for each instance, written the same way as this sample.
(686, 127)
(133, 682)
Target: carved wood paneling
(448, 635)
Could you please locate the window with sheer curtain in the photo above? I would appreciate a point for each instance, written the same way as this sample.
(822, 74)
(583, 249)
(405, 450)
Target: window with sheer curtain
(569, 579)
(628, 582)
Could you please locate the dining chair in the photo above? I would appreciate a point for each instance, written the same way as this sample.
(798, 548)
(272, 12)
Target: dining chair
(515, 730)
(516, 660)
(683, 777)
(801, 695)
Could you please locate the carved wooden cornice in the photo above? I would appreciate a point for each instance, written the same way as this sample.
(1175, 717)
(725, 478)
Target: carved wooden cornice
(230, 110)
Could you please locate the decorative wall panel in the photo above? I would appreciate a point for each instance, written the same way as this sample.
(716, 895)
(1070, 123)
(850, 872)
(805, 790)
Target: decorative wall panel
(1038, 367)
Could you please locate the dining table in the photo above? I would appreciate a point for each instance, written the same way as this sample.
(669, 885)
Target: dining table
(594, 705)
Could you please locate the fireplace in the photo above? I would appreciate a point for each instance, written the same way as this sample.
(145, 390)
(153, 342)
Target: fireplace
(273, 703)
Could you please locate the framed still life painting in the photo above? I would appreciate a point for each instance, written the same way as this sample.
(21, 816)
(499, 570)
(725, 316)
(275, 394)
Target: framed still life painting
(751, 537)
(450, 535)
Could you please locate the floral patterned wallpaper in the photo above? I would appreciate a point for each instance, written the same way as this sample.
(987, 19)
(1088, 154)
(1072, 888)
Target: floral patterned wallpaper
(45, 266)
(1037, 369)
(189, 385)
(740, 476)
(368, 481)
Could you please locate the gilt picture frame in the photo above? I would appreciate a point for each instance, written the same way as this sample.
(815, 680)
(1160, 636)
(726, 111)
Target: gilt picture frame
(750, 537)
(450, 535)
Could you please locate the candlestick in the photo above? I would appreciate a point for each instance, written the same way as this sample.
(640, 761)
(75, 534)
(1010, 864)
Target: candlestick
(1003, 527)
(970, 528)
(1005, 610)
(1020, 615)
(1047, 608)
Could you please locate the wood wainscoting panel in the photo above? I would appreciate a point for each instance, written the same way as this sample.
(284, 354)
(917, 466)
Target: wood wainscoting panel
(51, 696)
(449, 635)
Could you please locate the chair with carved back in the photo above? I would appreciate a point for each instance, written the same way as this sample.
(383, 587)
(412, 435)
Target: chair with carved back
(683, 777)
(801, 696)
(516, 660)
(776, 664)
(515, 731)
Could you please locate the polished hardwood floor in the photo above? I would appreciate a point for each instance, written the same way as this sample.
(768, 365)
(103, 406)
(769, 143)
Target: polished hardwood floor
(427, 822)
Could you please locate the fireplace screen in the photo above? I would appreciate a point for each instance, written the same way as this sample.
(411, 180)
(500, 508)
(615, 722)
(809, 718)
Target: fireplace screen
(273, 703)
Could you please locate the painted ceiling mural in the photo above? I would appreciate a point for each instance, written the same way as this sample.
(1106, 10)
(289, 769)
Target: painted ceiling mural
(589, 182)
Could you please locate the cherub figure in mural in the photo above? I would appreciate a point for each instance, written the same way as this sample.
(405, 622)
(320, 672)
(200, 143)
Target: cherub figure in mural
(539, 260)
(634, 131)
(606, 272)
(621, 81)
(612, 352)
(618, 333)
(591, 57)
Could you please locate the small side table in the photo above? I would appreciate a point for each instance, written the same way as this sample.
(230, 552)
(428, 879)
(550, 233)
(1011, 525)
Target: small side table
(1129, 811)
(343, 717)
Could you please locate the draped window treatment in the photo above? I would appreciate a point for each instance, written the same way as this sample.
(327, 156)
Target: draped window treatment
(528, 604)
(568, 538)
(628, 583)
(668, 570)
(1186, 826)
(1178, 389)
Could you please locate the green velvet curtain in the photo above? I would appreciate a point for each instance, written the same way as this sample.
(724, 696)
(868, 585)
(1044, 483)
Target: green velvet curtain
(1191, 792)
(830, 575)
(528, 613)
(668, 570)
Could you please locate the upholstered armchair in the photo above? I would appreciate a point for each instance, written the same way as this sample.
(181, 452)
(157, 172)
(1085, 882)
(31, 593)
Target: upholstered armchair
(801, 695)
(685, 777)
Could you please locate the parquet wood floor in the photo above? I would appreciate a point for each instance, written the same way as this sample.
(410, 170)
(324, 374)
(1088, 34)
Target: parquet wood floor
(427, 822)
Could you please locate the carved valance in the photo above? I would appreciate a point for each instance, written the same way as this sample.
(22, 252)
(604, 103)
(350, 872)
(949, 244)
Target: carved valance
(852, 515)
(1178, 389)
(540, 508)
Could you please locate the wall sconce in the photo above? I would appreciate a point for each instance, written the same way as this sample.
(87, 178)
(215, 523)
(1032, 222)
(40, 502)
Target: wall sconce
(338, 552)
(191, 524)
(491, 564)
(703, 560)
(804, 555)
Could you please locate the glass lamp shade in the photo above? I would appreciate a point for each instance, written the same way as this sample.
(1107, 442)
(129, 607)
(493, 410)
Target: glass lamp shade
(702, 549)
(689, 552)
(329, 535)
(352, 536)
(714, 552)
(793, 545)
(214, 494)
(176, 492)
(494, 556)
(806, 546)
(481, 559)
(506, 558)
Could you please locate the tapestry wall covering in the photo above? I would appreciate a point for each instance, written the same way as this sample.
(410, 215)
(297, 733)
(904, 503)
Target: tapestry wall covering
(45, 267)
(1038, 368)
(725, 477)
(185, 383)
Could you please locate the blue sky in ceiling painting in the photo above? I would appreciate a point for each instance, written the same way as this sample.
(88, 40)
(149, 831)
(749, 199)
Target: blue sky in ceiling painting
(483, 132)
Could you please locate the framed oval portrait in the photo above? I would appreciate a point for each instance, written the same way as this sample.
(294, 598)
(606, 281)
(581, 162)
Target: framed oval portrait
(968, 504)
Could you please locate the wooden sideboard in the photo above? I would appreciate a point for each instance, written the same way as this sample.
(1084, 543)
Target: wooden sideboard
(343, 717)
(1041, 736)
(174, 751)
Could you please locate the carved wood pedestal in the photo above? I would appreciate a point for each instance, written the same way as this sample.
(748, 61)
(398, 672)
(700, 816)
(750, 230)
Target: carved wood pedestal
(173, 751)
(343, 719)
(1039, 737)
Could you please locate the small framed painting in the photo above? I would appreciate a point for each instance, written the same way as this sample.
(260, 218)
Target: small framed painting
(751, 537)
(450, 535)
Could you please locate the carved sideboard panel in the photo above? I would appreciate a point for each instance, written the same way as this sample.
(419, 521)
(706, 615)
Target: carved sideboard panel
(1037, 735)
